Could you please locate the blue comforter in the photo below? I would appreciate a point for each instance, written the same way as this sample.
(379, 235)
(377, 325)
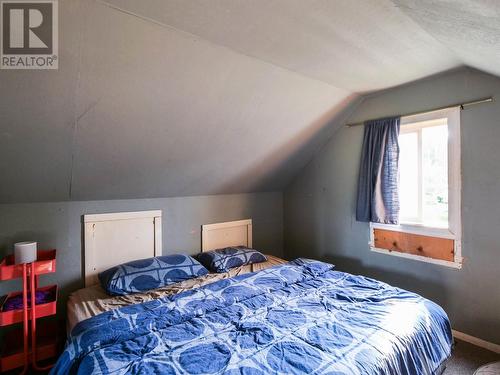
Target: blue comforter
(298, 318)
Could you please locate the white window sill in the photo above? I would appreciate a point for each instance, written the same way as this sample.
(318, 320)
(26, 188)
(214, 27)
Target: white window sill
(416, 229)
(456, 265)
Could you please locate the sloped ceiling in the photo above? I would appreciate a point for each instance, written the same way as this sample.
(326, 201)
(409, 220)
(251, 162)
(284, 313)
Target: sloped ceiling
(355, 45)
(469, 28)
(158, 98)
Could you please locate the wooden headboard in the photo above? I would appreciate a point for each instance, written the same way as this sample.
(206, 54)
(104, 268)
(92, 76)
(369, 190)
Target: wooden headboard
(231, 233)
(116, 238)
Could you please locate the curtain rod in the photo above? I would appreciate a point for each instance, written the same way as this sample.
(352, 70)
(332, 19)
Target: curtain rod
(461, 105)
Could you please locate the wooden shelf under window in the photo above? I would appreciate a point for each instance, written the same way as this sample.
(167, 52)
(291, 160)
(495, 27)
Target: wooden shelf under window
(415, 244)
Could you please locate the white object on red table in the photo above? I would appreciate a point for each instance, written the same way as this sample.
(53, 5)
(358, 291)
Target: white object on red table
(25, 252)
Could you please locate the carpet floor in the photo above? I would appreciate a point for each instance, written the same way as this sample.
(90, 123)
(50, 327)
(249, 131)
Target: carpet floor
(467, 358)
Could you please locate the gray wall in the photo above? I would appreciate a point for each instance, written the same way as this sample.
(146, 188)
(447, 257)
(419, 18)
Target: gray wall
(319, 205)
(58, 225)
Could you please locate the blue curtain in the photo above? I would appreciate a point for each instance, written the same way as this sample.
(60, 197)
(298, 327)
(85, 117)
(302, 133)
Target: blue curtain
(378, 196)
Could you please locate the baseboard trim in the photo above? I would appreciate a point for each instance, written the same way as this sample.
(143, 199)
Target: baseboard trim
(476, 341)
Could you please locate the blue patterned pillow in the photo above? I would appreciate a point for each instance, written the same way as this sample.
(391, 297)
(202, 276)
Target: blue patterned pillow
(221, 260)
(146, 274)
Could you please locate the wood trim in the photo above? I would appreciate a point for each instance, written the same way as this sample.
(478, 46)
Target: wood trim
(123, 237)
(223, 234)
(476, 341)
(120, 216)
(158, 238)
(419, 258)
(89, 260)
(249, 234)
(415, 229)
(415, 244)
(226, 224)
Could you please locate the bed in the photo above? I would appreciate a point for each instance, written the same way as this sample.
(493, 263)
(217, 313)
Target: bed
(134, 235)
(298, 317)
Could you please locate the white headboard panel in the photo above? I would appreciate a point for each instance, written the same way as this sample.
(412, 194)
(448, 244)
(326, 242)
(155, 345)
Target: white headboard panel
(231, 233)
(116, 238)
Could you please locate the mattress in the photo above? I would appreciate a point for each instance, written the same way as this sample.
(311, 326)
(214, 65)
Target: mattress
(301, 317)
(91, 301)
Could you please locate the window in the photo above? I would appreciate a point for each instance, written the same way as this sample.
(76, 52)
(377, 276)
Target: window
(424, 173)
(429, 191)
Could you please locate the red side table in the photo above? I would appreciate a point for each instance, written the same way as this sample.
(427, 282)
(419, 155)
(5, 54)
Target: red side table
(29, 344)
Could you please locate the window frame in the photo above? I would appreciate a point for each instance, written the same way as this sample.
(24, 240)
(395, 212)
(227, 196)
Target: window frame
(454, 230)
